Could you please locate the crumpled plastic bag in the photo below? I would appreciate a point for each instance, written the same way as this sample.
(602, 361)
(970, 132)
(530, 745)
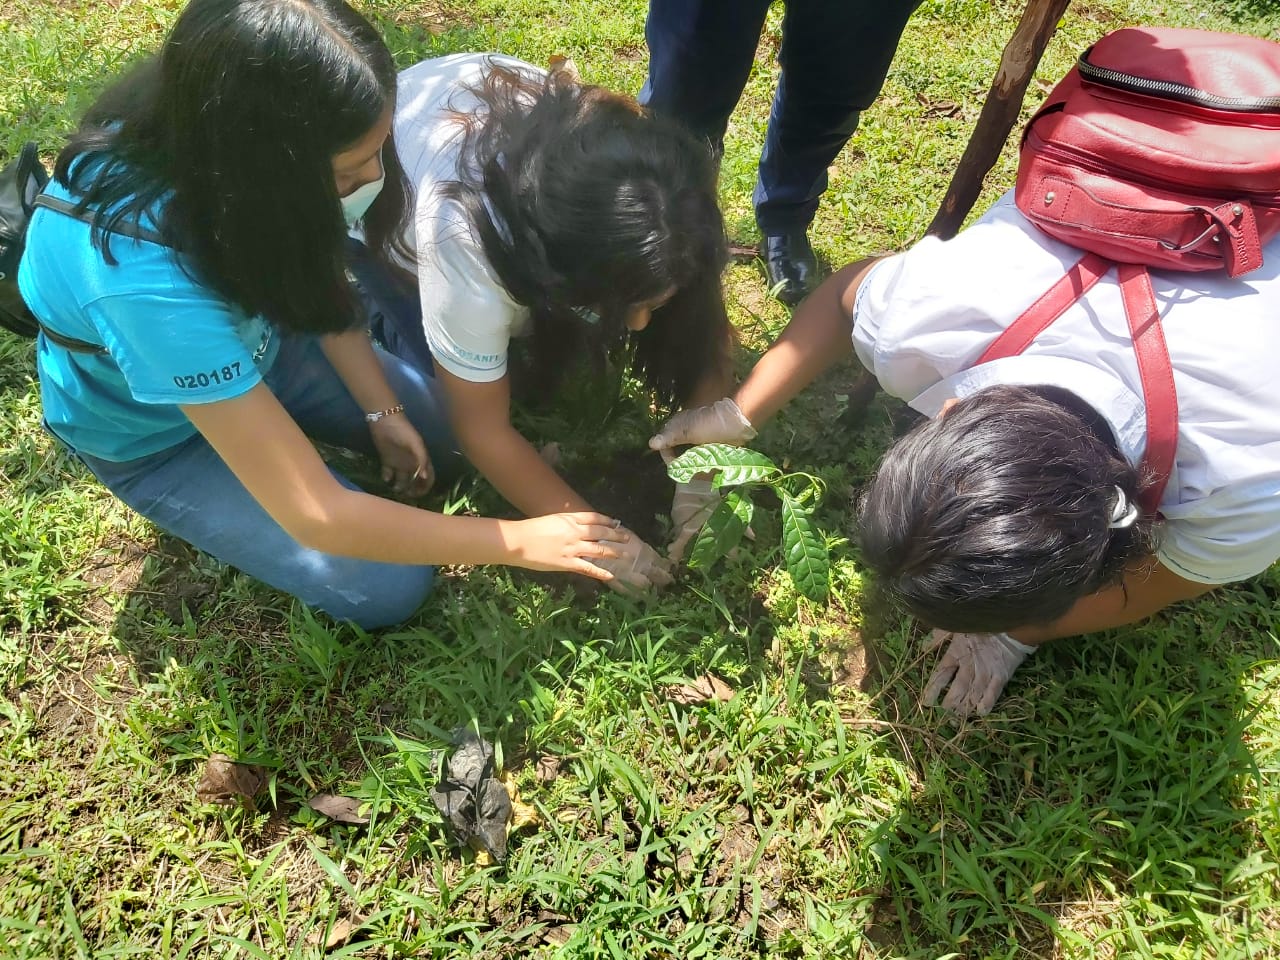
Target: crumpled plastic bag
(473, 800)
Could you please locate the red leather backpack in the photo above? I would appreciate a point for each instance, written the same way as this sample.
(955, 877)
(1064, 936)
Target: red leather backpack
(1160, 148)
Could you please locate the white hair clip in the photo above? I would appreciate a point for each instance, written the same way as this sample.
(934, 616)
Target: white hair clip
(1124, 514)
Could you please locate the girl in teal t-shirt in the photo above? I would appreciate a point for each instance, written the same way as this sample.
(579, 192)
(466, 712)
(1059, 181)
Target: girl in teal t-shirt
(251, 144)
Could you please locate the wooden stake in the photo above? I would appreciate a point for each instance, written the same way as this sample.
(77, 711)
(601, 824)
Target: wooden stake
(999, 113)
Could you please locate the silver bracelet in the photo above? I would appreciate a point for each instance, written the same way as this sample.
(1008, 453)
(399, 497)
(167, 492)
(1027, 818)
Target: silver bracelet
(379, 414)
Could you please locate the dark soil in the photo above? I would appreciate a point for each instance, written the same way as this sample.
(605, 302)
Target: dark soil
(632, 486)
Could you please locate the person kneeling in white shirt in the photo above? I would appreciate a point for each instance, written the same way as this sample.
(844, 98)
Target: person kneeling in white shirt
(1008, 519)
(564, 215)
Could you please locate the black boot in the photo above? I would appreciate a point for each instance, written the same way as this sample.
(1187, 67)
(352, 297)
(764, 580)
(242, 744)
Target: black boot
(790, 265)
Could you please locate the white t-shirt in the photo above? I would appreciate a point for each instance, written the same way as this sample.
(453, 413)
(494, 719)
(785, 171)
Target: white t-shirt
(468, 316)
(924, 317)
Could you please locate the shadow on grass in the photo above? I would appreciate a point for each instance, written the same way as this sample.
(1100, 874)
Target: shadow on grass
(1118, 776)
(1116, 779)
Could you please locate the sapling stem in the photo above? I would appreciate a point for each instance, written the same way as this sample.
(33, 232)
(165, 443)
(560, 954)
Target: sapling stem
(736, 470)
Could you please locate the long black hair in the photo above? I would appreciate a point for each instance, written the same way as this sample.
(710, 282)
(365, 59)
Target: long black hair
(227, 139)
(996, 515)
(581, 200)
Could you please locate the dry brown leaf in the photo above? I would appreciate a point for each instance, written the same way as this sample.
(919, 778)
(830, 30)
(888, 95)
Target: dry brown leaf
(226, 782)
(548, 768)
(939, 108)
(559, 936)
(559, 929)
(705, 688)
(340, 809)
(338, 935)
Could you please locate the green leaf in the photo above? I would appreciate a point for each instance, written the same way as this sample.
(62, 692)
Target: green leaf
(732, 465)
(335, 873)
(804, 549)
(723, 530)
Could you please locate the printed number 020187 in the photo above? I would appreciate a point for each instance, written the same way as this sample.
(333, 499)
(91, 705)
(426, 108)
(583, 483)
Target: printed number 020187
(192, 381)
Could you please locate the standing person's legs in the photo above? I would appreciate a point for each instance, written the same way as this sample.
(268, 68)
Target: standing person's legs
(835, 56)
(190, 493)
(700, 55)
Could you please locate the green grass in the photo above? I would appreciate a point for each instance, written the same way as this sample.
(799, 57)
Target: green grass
(1123, 800)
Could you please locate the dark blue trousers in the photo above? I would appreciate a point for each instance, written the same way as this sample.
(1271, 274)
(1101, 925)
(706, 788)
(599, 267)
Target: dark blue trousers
(835, 55)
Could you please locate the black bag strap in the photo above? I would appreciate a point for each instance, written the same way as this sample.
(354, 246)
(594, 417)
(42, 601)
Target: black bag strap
(71, 343)
(68, 209)
(77, 212)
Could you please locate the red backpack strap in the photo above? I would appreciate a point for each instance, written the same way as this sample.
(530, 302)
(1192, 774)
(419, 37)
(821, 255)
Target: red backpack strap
(1036, 318)
(1158, 390)
(1154, 366)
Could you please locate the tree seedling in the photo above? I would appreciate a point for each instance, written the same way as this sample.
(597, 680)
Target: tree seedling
(804, 548)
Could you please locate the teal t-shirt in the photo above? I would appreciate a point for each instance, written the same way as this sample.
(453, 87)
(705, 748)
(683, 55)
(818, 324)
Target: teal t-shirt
(169, 340)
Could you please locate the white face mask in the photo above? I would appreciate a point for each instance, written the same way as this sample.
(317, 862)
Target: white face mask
(356, 203)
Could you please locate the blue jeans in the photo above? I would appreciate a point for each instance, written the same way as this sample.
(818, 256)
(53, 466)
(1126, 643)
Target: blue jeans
(394, 307)
(190, 493)
(835, 55)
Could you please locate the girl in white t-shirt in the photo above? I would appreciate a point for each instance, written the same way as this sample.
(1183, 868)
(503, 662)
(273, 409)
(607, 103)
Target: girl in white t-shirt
(1008, 519)
(562, 213)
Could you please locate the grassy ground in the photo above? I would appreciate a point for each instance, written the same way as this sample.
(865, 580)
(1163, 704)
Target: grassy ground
(1123, 801)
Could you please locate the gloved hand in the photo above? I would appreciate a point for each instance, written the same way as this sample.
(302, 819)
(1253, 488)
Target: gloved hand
(977, 665)
(637, 568)
(721, 422)
(693, 503)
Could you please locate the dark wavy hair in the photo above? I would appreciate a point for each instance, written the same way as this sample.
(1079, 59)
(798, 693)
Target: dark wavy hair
(582, 200)
(995, 515)
(229, 133)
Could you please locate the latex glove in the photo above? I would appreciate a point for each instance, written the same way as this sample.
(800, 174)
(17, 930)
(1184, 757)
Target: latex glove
(977, 666)
(693, 503)
(721, 422)
(636, 568)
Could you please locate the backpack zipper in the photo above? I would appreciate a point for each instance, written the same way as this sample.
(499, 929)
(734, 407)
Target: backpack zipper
(1169, 90)
(1088, 163)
